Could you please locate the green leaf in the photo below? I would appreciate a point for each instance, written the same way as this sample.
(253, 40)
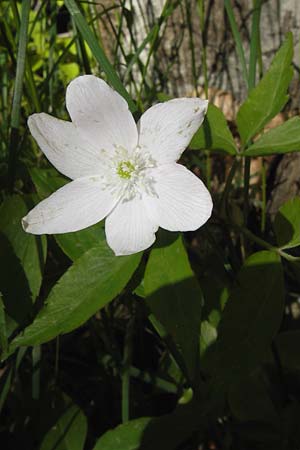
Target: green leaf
(269, 96)
(288, 348)
(287, 224)
(97, 51)
(127, 436)
(160, 433)
(249, 400)
(251, 318)
(92, 281)
(46, 181)
(29, 250)
(214, 133)
(77, 243)
(69, 433)
(175, 298)
(283, 139)
(74, 244)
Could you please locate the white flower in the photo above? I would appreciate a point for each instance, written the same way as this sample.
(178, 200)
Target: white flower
(122, 171)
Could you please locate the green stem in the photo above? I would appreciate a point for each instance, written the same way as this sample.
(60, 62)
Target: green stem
(126, 372)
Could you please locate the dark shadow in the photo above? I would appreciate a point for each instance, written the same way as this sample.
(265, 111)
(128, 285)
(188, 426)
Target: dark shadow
(13, 284)
(284, 229)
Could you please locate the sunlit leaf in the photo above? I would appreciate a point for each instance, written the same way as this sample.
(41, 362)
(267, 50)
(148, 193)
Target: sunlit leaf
(92, 281)
(214, 133)
(283, 139)
(174, 296)
(270, 95)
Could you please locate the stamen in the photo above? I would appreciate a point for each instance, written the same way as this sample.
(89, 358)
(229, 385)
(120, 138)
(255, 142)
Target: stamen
(127, 175)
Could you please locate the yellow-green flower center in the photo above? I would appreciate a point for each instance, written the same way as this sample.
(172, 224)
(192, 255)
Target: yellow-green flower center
(125, 169)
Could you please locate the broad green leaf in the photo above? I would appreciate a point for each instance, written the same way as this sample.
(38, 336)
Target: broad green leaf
(69, 433)
(249, 400)
(29, 250)
(46, 181)
(92, 281)
(287, 224)
(251, 318)
(74, 244)
(288, 348)
(160, 433)
(174, 296)
(269, 96)
(127, 436)
(283, 139)
(214, 133)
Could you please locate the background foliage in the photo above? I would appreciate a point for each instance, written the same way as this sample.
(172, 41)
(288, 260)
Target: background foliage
(193, 344)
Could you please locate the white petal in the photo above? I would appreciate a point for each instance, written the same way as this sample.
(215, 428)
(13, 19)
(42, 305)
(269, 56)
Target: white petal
(100, 113)
(75, 206)
(166, 129)
(129, 229)
(64, 147)
(183, 203)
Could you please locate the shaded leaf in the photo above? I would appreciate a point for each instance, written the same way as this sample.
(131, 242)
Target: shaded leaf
(249, 400)
(288, 348)
(159, 433)
(174, 296)
(214, 133)
(92, 281)
(287, 224)
(283, 139)
(127, 436)
(69, 433)
(251, 318)
(269, 96)
(29, 250)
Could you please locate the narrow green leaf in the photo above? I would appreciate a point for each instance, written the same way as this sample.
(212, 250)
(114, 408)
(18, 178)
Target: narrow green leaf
(251, 318)
(3, 334)
(287, 224)
(269, 96)
(69, 433)
(18, 89)
(237, 38)
(283, 139)
(92, 281)
(175, 298)
(98, 52)
(214, 133)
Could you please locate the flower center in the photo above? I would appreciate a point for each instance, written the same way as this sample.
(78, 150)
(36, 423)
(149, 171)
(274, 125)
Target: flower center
(125, 169)
(127, 173)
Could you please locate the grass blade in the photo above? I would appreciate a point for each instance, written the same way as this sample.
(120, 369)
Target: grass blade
(16, 106)
(97, 51)
(237, 39)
